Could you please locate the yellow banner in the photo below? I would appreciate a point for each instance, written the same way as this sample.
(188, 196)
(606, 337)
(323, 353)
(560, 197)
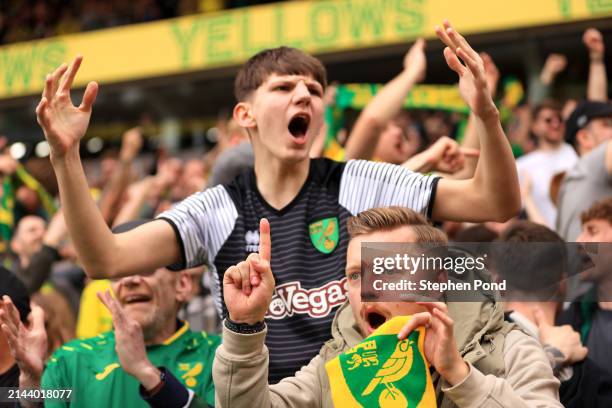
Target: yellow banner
(229, 37)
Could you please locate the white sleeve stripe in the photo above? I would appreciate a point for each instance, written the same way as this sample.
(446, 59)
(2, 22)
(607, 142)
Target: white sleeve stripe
(204, 221)
(216, 289)
(367, 185)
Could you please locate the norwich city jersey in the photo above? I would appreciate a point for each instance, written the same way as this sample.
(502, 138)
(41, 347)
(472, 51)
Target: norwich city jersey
(91, 369)
(219, 227)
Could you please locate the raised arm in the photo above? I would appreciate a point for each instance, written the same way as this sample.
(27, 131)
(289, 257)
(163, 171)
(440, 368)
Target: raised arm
(385, 105)
(240, 369)
(131, 143)
(493, 193)
(540, 87)
(102, 254)
(597, 86)
(27, 343)
(470, 136)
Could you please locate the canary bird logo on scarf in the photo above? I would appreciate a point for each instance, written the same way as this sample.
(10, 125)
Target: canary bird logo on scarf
(382, 371)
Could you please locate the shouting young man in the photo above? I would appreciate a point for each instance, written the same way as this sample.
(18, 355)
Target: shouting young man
(279, 93)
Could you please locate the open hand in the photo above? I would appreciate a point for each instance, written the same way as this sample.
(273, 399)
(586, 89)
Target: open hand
(28, 345)
(129, 343)
(63, 123)
(472, 81)
(248, 287)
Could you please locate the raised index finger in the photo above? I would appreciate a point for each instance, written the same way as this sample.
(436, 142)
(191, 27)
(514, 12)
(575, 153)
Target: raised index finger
(265, 241)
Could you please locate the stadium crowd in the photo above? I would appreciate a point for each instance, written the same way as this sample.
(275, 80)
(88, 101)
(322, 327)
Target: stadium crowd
(168, 286)
(25, 20)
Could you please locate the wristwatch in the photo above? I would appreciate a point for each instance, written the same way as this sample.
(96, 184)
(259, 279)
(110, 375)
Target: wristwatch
(244, 328)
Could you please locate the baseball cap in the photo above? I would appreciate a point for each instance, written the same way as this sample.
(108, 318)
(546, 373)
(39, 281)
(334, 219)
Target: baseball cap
(11, 286)
(585, 111)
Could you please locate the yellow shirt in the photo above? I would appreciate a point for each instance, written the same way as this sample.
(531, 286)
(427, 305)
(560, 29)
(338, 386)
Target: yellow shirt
(94, 318)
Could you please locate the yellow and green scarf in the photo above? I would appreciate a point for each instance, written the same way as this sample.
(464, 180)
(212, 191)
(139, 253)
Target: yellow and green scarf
(382, 371)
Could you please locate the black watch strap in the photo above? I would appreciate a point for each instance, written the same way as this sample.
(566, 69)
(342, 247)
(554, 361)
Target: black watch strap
(244, 328)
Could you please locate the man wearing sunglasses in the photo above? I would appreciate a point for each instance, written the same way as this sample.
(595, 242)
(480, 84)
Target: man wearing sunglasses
(552, 156)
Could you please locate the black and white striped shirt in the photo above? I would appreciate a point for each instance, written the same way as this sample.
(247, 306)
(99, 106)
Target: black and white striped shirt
(220, 227)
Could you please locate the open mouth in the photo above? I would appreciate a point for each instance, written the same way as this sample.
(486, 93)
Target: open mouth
(133, 299)
(374, 319)
(298, 126)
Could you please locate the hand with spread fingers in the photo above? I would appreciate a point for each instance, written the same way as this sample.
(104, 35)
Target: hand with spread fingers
(439, 346)
(472, 80)
(63, 123)
(130, 344)
(248, 287)
(28, 344)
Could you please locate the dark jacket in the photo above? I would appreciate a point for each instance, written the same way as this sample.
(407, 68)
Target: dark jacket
(590, 385)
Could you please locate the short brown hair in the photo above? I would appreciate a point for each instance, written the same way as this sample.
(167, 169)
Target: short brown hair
(537, 273)
(601, 210)
(527, 231)
(282, 61)
(385, 219)
(547, 104)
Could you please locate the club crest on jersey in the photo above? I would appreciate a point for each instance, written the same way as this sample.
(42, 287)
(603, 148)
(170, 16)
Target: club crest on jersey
(324, 234)
(252, 241)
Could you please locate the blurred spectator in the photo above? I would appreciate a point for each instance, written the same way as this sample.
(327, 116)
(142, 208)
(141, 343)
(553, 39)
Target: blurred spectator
(26, 241)
(539, 88)
(589, 128)
(29, 20)
(591, 314)
(12, 287)
(147, 335)
(533, 299)
(476, 233)
(380, 130)
(200, 311)
(93, 317)
(60, 321)
(68, 22)
(536, 169)
(233, 155)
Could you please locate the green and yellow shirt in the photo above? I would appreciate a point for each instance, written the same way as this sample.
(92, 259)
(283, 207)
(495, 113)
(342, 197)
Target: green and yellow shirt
(91, 369)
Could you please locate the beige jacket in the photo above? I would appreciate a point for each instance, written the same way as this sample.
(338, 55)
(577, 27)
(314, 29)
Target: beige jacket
(240, 369)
